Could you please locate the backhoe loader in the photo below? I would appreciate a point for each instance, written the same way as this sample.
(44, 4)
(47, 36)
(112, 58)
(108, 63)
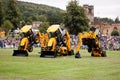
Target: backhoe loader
(92, 40)
(58, 44)
(29, 38)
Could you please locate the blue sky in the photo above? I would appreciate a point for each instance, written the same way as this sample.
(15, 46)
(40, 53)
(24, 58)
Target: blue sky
(102, 8)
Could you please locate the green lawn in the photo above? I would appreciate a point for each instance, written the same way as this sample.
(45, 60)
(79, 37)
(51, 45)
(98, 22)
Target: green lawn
(61, 68)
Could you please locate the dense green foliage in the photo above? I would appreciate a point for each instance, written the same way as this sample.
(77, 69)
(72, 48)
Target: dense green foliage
(7, 25)
(39, 12)
(61, 68)
(13, 13)
(103, 20)
(1, 13)
(10, 15)
(75, 19)
(21, 13)
(117, 20)
(115, 33)
(43, 27)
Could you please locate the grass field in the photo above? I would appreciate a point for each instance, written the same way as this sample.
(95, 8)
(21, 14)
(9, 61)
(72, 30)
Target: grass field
(61, 68)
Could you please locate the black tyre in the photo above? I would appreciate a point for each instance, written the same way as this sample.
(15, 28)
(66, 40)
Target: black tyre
(71, 52)
(103, 54)
(89, 49)
(92, 53)
(30, 49)
(64, 54)
(77, 55)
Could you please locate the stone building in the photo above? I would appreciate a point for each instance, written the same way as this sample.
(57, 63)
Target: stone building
(89, 11)
(36, 24)
(106, 29)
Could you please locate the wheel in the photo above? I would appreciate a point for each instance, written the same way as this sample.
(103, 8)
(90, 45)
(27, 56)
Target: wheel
(103, 54)
(71, 52)
(64, 54)
(30, 49)
(92, 54)
(89, 49)
(37, 39)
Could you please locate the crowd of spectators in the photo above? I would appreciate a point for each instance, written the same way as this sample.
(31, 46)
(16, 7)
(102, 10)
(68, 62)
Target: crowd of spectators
(110, 43)
(107, 43)
(11, 41)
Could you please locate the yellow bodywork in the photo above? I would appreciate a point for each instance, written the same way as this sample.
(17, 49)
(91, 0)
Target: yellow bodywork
(2, 33)
(67, 40)
(92, 35)
(25, 28)
(58, 42)
(44, 39)
(24, 43)
(79, 43)
(96, 54)
(62, 51)
(52, 43)
(84, 35)
(29, 38)
(37, 39)
(92, 41)
(53, 28)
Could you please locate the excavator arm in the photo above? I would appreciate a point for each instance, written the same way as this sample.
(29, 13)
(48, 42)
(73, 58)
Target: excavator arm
(68, 44)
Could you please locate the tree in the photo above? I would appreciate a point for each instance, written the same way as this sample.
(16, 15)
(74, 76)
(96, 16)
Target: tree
(55, 17)
(42, 18)
(117, 20)
(103, 20)
(37, 17)
(43, 27)
(75, 19)
(115, 32)
(7, 25)
(1, 13)
(13, 13)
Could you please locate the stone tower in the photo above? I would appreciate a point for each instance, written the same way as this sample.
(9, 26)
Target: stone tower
(89, 10)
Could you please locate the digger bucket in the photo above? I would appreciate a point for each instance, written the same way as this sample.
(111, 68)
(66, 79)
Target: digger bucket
(48, 54)
(20, 53)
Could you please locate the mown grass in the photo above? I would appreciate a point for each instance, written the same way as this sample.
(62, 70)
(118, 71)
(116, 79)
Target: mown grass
(61, 68)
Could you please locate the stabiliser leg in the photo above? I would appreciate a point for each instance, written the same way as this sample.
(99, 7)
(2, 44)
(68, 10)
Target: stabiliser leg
(77, 55)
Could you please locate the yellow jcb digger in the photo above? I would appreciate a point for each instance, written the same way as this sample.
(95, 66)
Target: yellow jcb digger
(29, 38)
(58, 44)
(92, 40)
